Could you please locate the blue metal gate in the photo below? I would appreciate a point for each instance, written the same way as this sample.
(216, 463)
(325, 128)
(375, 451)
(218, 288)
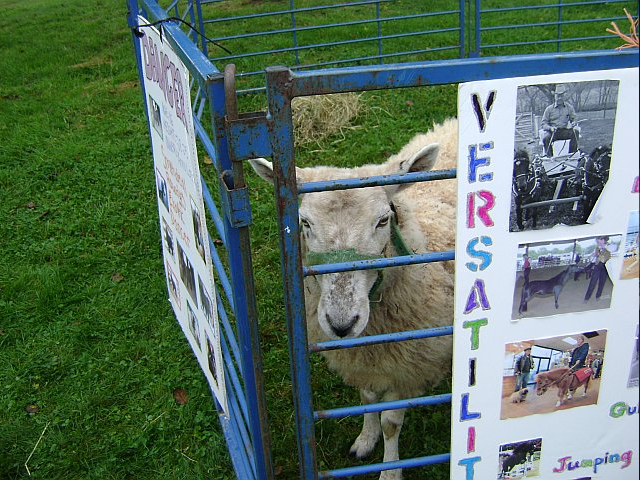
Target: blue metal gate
(471, 29)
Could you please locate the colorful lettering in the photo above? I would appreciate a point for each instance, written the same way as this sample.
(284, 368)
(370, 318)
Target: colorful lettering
(471, 439)
(464, 410)
(482, 211)
(483, 255)
(469, 463)
(475, 325)
(477, 297)
(475, 162)
(566, 463)
(483, 111)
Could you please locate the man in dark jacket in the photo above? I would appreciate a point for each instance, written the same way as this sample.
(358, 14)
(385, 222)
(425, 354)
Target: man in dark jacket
(523, 367)
(579, 355)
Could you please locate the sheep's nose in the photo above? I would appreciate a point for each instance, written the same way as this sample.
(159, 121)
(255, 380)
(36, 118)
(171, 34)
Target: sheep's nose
(343, 329)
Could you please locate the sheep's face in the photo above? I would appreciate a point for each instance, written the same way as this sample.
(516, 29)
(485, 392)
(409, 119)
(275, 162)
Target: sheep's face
(348, 223)
(356, 222)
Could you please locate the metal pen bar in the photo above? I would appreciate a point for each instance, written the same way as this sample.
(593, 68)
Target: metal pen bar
(222, 274)
(240, 462)
(228, 330)
(232, 375)
(440, 72)
(295, 10)
(240, 429)
(332, 25)
(377, 180)
(382, 338)
(378, 467)
(213, 210)
(539, 42)
(378, 263)
(331, 44)
(549, 6)
(352, 60)
(382, 406)
(550, 24)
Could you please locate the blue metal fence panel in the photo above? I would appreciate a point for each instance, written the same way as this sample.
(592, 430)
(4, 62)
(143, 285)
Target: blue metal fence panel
(245, 428)
(282, 86)
(460, 45)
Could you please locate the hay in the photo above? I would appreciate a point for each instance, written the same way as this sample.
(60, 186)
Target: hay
(318, 117)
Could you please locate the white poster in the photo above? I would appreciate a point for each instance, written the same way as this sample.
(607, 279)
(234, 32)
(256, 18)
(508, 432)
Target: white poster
(545, 380)
(185, 241)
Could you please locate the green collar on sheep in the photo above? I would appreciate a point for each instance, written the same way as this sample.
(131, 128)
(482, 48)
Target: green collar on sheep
(351, 255)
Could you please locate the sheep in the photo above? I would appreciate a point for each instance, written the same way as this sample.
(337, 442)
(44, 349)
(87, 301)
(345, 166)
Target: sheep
(410, 297)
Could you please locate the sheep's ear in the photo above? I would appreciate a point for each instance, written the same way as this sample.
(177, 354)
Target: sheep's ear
(264, 168)
(422, 161)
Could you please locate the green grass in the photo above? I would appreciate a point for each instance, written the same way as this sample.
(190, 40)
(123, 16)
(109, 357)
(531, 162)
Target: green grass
(86, 333)
(88, 342)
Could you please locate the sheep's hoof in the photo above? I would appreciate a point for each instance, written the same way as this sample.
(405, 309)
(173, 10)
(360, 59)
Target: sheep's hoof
(391, 475)
(363, 446)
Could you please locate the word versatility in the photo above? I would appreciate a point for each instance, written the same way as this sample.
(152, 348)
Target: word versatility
(479, 204)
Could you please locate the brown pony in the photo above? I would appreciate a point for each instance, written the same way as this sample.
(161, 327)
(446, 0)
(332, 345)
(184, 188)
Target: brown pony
(563, 379)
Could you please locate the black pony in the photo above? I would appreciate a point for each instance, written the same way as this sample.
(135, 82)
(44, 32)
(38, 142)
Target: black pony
(594, 177)
(552, 286)
(525, 187)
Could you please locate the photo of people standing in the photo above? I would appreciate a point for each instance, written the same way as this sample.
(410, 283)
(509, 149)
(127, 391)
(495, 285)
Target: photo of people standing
(546, 375)
(600, 256)
(564, 276)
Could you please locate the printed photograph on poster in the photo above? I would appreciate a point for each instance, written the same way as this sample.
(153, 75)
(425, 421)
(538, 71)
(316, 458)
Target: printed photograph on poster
(211, 357)
(194, 328)
(520, 459)
(562, 154)
(630, 261)
(633, 369)
(167, 235)
(156, 117)
(187, 274)
(188, 264)
(163, 192)
(564, 276)
(174, 287)
(197, 233)
(547, 375)
(205, 302)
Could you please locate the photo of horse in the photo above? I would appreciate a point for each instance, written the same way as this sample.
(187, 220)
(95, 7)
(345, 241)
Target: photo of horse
(563, 374)
(520, 459)
(564, 276)
(562, 152)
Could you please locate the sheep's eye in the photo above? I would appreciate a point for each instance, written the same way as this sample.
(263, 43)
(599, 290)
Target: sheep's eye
(305, 223)
(383, 222)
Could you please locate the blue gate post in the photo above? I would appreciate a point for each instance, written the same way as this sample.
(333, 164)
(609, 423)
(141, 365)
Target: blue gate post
(281, 130)
(240, 265)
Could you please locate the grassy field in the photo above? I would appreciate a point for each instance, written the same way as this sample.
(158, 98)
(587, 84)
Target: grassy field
(90, 352)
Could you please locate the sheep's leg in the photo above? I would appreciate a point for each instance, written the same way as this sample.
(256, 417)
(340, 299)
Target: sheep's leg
(366, 441)
(392, 421)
